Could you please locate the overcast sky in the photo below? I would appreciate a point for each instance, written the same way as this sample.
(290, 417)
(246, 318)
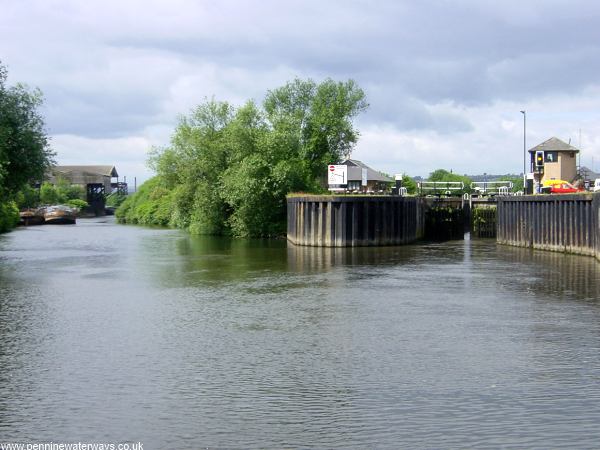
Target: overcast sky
(445, 80)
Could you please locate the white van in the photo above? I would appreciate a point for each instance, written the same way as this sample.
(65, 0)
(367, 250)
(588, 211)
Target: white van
(597, 185)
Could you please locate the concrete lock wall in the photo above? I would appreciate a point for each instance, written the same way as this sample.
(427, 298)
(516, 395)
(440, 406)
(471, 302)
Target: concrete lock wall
(564, 223)
(338, 221)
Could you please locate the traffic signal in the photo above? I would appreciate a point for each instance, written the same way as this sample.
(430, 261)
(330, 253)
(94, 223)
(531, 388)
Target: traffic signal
(539, 158)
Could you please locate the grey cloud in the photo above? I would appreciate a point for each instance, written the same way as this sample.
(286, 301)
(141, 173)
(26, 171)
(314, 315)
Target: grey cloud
(397, 108)
(408, 56)
(99, 113)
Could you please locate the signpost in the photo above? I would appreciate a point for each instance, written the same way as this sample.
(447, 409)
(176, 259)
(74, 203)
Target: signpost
(337, 175)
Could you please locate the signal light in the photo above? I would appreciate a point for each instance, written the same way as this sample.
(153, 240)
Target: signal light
(539, 158)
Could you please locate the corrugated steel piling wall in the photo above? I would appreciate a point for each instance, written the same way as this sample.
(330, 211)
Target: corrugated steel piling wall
(345, 221)
(565, 223)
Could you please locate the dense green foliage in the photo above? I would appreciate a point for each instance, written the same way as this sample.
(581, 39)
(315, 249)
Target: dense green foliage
(24, 150)
(152, 204)
(228, 170)
(27, 197)
(77, 203)
(9, 216)
(409, 184)
(60, 193)
(442, 175)
(48, 194)
(115, 199)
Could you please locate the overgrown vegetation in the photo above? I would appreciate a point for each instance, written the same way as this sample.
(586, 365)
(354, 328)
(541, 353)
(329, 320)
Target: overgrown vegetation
(61, 192)
(409, 184)
(115, 199)
(228, 170)
(77, 203)
(152, 204)
(48, 194)
(9, 216)
(24, 150)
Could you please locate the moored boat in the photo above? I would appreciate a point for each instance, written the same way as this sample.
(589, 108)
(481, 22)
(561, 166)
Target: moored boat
(60, 215)
(31, 217)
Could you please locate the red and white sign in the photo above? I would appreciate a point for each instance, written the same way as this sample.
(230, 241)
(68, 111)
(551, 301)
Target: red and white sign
(337, 175)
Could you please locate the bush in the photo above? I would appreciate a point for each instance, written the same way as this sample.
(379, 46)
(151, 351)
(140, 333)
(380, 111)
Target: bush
(115, 199)
(442, 175)
(67, 191)
(27, 197)
(153, 204)
(9, 216)
(60, 193)
(77, 203)
(48, 194)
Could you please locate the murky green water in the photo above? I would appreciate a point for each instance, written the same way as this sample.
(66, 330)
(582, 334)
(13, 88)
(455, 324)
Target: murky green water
(112, 333)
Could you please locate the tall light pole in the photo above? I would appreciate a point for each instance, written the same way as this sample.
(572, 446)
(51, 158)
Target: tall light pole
(524, 148)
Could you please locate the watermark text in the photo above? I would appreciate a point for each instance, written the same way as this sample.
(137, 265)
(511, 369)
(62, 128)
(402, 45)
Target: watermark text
(72, 446)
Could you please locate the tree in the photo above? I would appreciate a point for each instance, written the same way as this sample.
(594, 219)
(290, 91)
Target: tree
(316, 120)
(228, 170)
(517, 182)
(67, 191)
(49, 194)
(24, 149)
(442, 175)
(27, 197)
(409, 184)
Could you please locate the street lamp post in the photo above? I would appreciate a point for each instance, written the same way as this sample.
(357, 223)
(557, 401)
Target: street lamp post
(524, 148)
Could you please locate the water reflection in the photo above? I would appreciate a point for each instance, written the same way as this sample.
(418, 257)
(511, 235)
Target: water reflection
(554, 275)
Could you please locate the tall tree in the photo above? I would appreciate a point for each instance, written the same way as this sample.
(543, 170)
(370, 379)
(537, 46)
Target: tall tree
(230, 168)
(318, 117)
(24, 149)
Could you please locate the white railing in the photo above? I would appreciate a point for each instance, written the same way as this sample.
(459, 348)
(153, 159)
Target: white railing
(440, 187)
(504, 190)
(491, 187)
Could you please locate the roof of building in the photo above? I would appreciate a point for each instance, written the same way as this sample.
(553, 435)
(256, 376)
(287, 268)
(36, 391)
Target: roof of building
(588, 173)
(106, 171)
(554, 145)
(355, 172)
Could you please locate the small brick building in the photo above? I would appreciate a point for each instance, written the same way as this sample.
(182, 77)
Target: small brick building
(560, 161)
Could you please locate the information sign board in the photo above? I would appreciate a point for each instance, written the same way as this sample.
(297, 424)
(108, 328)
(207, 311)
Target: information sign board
(337, 174)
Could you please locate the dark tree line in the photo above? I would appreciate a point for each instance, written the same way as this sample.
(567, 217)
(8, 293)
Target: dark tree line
(25, 153)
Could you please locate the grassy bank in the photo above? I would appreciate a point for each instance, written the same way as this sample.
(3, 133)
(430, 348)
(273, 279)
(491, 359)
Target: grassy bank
(152, 204)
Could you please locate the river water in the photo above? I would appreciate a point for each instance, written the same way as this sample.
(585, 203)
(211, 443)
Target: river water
(118, 334)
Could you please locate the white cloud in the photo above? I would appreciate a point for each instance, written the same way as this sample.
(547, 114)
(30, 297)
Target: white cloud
(495, 145)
